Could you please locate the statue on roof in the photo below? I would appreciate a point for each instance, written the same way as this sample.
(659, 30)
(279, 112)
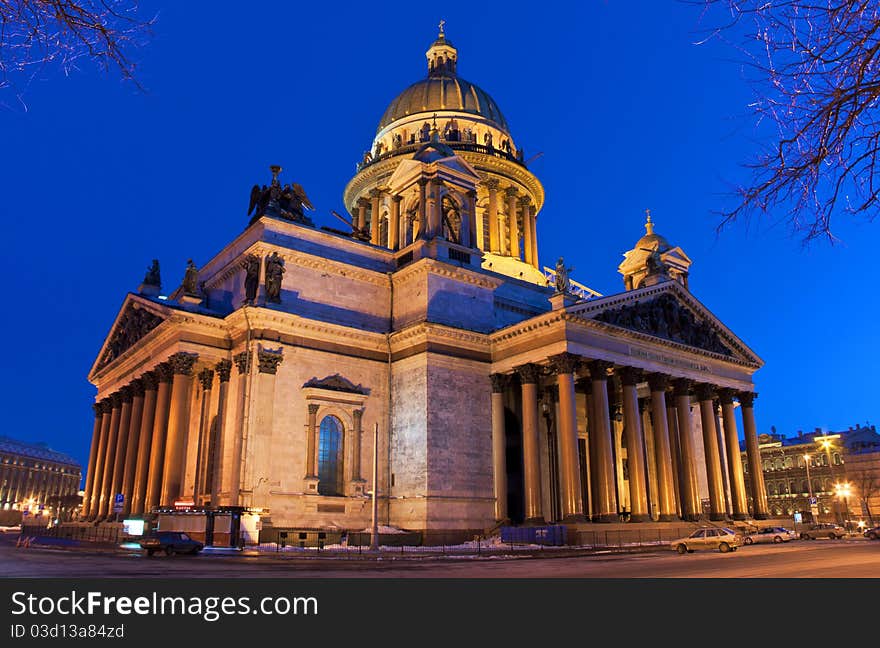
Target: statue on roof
(563, 283)
(190, 283)
(251, 266)
(152, 277)
(654, 263)
(285, 202)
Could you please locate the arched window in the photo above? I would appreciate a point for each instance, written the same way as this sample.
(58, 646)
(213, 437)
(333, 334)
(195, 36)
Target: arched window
(330, 457)
(767, 465)
(837, 460)
(789, 463)
(777, 464)
(805, 487)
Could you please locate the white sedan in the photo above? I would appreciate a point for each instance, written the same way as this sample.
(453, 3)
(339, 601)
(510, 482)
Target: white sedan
(772, 534)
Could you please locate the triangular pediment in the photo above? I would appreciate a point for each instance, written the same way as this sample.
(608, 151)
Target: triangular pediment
(337, 383)
(136, 319)
(669, 312)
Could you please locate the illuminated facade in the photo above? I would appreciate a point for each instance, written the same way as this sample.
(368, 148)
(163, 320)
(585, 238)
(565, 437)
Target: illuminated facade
(497, 388)
(35, 478)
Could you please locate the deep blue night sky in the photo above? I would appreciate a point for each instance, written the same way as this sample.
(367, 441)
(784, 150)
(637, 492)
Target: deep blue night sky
(98, 179)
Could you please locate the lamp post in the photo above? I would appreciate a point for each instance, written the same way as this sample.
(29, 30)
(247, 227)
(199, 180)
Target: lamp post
(814, 509)
(843, 491)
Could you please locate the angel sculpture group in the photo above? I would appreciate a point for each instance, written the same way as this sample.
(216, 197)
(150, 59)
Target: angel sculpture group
(285, 202)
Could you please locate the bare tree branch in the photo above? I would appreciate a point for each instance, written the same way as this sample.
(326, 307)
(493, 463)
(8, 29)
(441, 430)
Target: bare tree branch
(816, 66)
(36, 35)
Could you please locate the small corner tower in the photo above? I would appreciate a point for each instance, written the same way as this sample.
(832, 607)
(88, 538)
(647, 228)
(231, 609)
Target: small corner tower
(653, 260)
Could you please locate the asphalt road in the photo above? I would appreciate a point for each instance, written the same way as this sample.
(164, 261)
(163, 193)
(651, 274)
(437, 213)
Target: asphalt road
(850, 558)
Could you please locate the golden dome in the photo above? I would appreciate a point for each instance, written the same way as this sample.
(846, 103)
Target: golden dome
(443, 93)
(443, 90)
(651, 240)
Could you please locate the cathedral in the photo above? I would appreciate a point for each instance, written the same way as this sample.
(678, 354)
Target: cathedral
(421, 348)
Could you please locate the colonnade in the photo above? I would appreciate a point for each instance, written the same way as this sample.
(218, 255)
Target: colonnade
(511, 218)
(141, 435)
(669, 404)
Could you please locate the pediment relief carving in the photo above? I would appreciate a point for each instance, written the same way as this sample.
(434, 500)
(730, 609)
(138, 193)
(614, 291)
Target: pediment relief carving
(131, 326)
(666, 317)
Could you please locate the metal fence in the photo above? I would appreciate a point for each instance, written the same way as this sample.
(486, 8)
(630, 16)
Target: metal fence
(81, 533)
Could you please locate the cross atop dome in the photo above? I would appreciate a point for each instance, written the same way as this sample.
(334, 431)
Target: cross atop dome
(442, 56)
(649, 225)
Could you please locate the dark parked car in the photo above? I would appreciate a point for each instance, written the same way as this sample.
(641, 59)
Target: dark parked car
(823, 530)
(170, 542)
(873, 533)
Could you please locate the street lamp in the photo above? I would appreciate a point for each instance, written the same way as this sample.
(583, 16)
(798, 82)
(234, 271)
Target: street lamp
(843, 492)
(813, 508)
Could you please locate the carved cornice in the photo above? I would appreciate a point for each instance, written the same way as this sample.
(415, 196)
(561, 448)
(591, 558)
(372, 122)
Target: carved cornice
(242, 360)
(106, 406)
(268, 360)
(670, 400)
(564, 363)
(658, 382)
(704, 391)
(529, 373)
(511, 192)
(747, 399)
(206, 377)
(98, 409)
(630, 376)
(223, 368)
(116, 400)
(126, 394)
(182, 363)
(313, 409)
(726, 395)
(425, 266)
(357, 416)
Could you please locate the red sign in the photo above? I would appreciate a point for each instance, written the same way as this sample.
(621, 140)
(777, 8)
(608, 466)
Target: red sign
(183, 504)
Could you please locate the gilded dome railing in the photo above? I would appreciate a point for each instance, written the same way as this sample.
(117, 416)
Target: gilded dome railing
(453, 144)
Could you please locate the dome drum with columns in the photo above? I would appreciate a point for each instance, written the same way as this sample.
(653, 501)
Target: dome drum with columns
(445, 114)
(497, 397)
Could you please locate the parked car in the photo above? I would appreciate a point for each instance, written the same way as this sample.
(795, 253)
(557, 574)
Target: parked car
(170, 542)
(720, 538)
(10, 528)
(823, 530)
(873, 533)
(774, 534)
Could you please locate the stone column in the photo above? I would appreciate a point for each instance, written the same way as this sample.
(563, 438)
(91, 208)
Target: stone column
(435, 217)
(206, 379)
(358, 417)
(499, 446)
(753, 454)
(258, 444)
(533, 226)
(178, 425)
(529, 375)
(218, 442)
(394, 223)
(375, 206)
(666, 500)
(691, 506)
(165, 375)
(93, 456)
(734, 460)
(362, 213)
(243, 364)
(150, 383)
(494, 236)
(469, 234)
(105, 502)
(119, 453)
(705, 394)
(564, 366)
(98, 481)
(584, 385)
(675, 450)
(524, 202)
(312, 443)
(423, 208)
(513, 229)
(131, 445)
(635, 445)
(605, 499)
